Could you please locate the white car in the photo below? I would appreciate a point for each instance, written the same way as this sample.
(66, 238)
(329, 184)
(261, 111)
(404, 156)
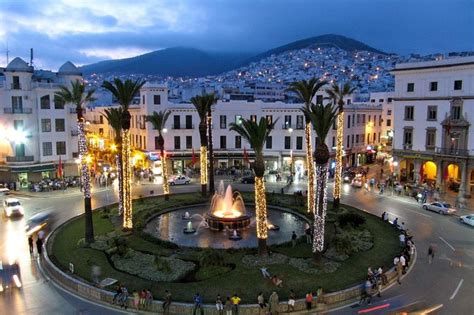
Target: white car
(12, 207)
(4, 190)
(440, 207)
(357, 182)
(468, 219)
(179, 180)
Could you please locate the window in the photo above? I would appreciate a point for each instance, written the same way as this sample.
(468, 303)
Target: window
(223, 142)
(61, 148)
(381, 100)
(189, 122)
(358, 119)
(238, 142)
(348, 142)
(17, 102)
(16, 82)
(177, 143)
(458, 85)
(409, 112)
(157, 99)
(223, 121)
(362, 138)
(47, 148)
(101, 131)
(46, 125)
(333, 142)
(238, 120)
(287, 142)
(269, 119)
(433, 86)
(300, 122)
(348, 121)
(58, 103)
(18, 124)
(45, 102)
(389, 112)
(352, 139)
(357, 139)
(299, 143)
(189, 142)
(268, 142)
(380, 120)
(319, 99)
(410, 87)
(430, 138)
(370, 118)
(374, 137)
(432, 111)
(287, 122)
(253, 118)
(59, 124)
(456, 112)
(389, 122)
(143, 99)
(353, 120)
(176, 122)
(407, 137)
(157, 145)
(101, 119)
(363, 118)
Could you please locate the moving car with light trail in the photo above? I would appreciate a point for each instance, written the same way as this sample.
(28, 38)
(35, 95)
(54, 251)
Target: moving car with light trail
(12, 207)
(10, 276)
(38, 222)
(440, 207)
(179, 180)
(467, 219)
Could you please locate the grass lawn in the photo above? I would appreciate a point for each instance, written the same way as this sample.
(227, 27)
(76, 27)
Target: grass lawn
(233, 276)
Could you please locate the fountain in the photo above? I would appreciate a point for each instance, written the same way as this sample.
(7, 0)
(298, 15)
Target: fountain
(186, 216)
(235, 236)
(227, 210)
(189, 228)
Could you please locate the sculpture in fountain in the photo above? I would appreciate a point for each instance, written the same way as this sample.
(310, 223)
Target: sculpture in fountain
(227, 210)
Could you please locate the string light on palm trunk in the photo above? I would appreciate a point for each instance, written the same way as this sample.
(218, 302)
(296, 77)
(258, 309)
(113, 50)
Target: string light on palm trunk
(203, 160)
(126, 181)
(261, 208)
(321, 207)
(120, 182)
(310, 164)
(85, 176)
(339, 149)
(164, 171)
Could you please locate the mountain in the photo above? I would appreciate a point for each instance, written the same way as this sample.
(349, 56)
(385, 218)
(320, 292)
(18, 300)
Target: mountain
(177, 62)
(191, 62)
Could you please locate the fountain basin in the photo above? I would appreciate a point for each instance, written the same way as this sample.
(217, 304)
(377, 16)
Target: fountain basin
(220, 223)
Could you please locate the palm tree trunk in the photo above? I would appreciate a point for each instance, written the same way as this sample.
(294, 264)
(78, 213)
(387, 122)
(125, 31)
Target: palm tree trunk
(339, 153)
(126, 180)
(211, 155)
(203, 162)
(118, 161)
(164, 173)
(310, 167)
(260, 205)
(321, 207)
(86, 184)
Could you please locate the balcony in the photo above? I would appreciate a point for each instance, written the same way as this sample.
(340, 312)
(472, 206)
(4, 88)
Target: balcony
(15, 159)
(452, 151)
(15, 86)
(300, 126)
(74, 133)
(184, 126)
(18, 110)
(142, 126)
(407, 146)
(45, 85)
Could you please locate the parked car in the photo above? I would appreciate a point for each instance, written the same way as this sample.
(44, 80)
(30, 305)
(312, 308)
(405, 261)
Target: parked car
(440, 207)
(468, 219)
(4, 190)
(12, 207)
(179, 180)
(357, 182)
(248, 180)
(347, 177)
(40, 221)
(10, 276)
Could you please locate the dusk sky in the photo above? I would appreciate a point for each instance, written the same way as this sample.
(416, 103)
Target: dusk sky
(85, 31)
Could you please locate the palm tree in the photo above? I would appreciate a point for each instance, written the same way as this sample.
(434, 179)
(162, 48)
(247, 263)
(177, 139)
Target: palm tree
(201, 105)
(78, 96)
(256, 135)
(322, 118)
(306, 90)
(114, 117)
(158, 120)
(124, 92)
(211, 99)
(336, 93)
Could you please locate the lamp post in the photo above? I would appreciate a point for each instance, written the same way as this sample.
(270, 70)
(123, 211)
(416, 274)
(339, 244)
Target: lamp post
(290, 131)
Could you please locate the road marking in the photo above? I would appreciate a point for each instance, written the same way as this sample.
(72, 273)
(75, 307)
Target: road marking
(449, 245)
(457, 289)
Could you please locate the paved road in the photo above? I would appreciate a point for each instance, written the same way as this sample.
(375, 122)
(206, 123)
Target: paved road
(448, 281)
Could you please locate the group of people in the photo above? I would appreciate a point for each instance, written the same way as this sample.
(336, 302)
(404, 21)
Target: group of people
(376, 278)
(39, 243)
(141, 300)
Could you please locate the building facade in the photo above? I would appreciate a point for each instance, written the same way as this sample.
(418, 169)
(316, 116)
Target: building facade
(433, 139)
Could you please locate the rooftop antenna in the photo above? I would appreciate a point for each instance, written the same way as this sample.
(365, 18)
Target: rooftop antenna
(31, 57)
(8, 59)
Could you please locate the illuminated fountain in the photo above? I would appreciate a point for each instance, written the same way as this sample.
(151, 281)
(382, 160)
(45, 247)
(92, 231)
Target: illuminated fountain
(227, 210)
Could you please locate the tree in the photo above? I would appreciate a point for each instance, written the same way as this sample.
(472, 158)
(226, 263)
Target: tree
(256, 135)
(158, 120)
(78, 96)
(306, 91)
(211, 99)
(202, 108)
(124, 92)
(337, 93)
(114, 117)
(322, 118)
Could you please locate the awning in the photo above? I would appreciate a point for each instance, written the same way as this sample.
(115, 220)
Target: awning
(33, 168)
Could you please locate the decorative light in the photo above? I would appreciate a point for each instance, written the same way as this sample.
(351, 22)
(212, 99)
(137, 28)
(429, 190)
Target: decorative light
(310, 165)
(118, 161)
(203, 160)
(113, 147)
(85, 159)
(261, 208)
(321, 207)
(164, 173)
(339, 151)
(126, 181)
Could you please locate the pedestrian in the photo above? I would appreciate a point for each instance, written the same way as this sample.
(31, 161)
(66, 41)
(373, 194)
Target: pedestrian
(148, 299)
(124, 298)
(118, 293)
(136, 299)
(235, 303)
(320, 295)
(30, 244)
(399, 268)
(293, 238)
(166, 302)
(383, 215)
(142, 299)
(366, 292)
(265, 272)
(291, 301)
(430, 254)
(403, 262)
(382, 275)
(309, 300)
(39, 246)
(402, 227)
(273, 301)
(307, 232)
(219, 305)
(41, 235)
(228, 306)
(261, 302)
(197, 304)
(402, 239)
(395, 222)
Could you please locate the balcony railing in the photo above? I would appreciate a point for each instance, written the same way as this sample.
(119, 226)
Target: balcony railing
(74, 133)
(18, 110)
(142, 126)
(15, 86)
(407, 146)
(45, 85)
(300, 126)
(452, 151)
(26, 158)
(184, 126)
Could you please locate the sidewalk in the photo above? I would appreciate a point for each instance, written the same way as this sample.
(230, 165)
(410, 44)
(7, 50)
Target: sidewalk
(72, 191)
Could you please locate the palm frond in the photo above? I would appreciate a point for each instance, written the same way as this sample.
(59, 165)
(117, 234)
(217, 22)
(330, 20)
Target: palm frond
(322, 117)
(124, 91)
(158, 120)
(306, 89)
(255, 133)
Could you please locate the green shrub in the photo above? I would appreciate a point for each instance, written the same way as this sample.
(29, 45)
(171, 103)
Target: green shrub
(350, 218)
(343, 243)
(209, 257)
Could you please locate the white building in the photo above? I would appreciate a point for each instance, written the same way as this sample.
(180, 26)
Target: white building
(433, 139)
(35, 128)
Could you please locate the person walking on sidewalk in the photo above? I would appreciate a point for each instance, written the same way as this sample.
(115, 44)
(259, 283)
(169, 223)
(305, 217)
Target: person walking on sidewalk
(166, 302)
(30, 244)
(430, 254)
(39, 246)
